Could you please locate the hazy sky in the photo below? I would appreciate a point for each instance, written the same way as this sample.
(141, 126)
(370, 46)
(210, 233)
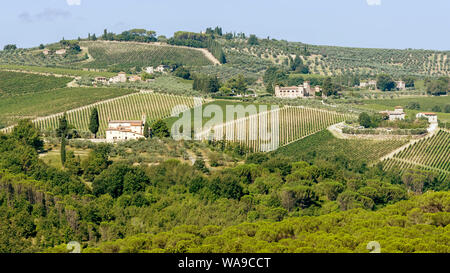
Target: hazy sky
(356, 23)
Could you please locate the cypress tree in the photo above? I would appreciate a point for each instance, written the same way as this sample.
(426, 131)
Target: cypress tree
(94, 122)
(63, 151)
(146, 130)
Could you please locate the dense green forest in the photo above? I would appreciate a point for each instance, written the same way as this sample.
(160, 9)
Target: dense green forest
(269, 203)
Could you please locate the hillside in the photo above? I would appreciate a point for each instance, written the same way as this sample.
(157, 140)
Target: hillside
(333, 60)
(126, 55)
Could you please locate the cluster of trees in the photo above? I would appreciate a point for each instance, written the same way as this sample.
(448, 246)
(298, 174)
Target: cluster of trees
(211, 84)
(385, 82)
(369, 121)
(296, 65)
(199, 40)
(437, 87)
(135, 35)
(10, 47)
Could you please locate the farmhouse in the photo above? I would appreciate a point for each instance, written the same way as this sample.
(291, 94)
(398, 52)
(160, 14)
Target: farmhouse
(150, 70)
(162, 68)
(134, 78)
(401, 85)
(121, 77)
(368, 83)
(46, 51)
(397, 114)
(124, 130)
(432, 117)
(60, 51)
(300, 91)
(101, 79)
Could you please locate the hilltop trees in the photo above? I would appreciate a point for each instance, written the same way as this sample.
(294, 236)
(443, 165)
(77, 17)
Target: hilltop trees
(252, 40)
(94, 122)
(10, 47)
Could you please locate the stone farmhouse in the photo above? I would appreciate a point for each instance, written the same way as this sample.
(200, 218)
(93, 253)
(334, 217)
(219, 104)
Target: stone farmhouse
(120, 130)
(121, 77)
(432, 117)
(134, 78)
(397, 114)
(292, 92)
(368, 83)
(400, 85)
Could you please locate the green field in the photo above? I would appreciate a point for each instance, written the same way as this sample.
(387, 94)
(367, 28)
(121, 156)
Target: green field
(13, 83)
(352, 154)
(55, 101)
(128, 55)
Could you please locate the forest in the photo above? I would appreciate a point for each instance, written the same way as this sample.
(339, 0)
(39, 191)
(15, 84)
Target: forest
(111, 205)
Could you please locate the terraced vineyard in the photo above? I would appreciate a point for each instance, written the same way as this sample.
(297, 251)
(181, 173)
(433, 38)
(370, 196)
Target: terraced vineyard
(269, 130)
(432, 154)
(129, 107)
(127, 55)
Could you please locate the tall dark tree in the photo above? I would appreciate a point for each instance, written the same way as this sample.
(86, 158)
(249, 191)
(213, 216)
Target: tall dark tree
(160, 129)
(94, 123)
(62, 132)
(146, 130)
(63, 151)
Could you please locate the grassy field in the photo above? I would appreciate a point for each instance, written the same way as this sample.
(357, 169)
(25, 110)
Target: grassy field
(51, 102)
(13, 83)
(128, 55)
(348, 152)
(54, 70)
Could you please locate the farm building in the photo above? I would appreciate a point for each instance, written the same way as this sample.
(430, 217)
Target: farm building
(134, 78)
(432, 117)
(124, 130)
(150, 70)
(300, 91)
(121, 77)
(60, 52)
(368, 83)
(162, 68)
(397, 114)
(400, 85)
(101, 79)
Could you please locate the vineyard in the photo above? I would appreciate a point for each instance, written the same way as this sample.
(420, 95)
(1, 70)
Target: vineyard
(266, 131)
(13, 83)
(432, 154)
(354, 154)
(121, 55)
(130, 107)
(44, 103)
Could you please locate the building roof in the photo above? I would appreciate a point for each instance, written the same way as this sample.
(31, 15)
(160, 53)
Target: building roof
(428, 114)
(123, 130)
(398, 107)
(139, 122)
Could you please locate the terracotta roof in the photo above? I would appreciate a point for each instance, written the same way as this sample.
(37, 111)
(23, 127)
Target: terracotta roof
(126, 121)
(428, 114)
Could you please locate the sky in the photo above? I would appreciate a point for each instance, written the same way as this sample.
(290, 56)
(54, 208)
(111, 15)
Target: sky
(419, 24)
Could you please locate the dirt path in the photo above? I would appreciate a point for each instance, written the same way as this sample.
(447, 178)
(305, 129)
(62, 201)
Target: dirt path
(205, 52)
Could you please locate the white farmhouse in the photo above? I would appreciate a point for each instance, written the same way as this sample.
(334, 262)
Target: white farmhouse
(432, 117)
(292, 92)
(397, 114)
(400, 85)
(121, 77)
(150, 70)
(119, 130)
